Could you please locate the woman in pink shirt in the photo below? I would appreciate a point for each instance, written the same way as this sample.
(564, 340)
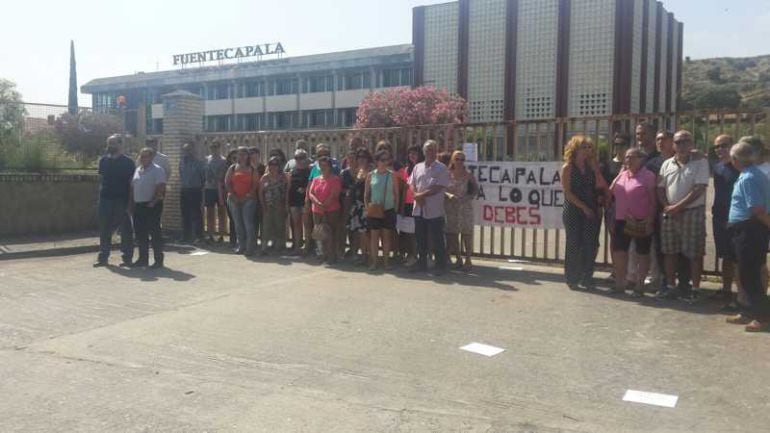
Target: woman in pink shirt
(324, 195)
(635, 208)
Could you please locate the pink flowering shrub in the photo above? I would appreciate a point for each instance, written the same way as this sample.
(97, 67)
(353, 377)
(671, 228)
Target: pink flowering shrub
(404, 106)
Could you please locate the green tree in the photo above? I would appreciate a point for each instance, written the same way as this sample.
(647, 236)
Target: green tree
(718, 97)
(11, 120)
(84, 135)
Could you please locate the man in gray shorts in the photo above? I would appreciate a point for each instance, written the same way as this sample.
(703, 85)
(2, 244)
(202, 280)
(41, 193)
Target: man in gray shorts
(682, 187)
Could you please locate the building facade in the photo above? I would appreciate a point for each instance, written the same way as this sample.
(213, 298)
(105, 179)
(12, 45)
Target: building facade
(318, 91)
(539, 59)
(510, 59)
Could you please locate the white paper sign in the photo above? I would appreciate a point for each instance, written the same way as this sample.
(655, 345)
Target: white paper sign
(482, 349)
(199, 253)
(470, 151)
(651, 398)
(518, 194)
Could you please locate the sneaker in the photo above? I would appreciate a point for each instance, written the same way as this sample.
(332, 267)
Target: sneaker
(100, 264)
(411, 262)
(139, 264)
(157, 265)
(757, 326)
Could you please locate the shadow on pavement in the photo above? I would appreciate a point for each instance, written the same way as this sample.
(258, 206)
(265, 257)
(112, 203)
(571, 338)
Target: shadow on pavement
(147, 274)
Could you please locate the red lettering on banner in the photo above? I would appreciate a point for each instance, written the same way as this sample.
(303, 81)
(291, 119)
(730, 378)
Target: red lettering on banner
(514, 215)
(534, 213)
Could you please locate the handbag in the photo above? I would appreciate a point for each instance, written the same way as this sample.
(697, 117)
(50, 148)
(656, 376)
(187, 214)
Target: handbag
(322, 231)
(377, 210)
(635, 228)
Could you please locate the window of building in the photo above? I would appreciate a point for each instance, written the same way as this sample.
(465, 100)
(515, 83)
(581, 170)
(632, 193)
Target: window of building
(252, 89)
(283, 120)
(217, 123)
(319, 83)
(218, 91)
(250, 122)
(354, 80)
(397, 77)
(285, 86)
(318, 118)
(104, 102)
(346, 117)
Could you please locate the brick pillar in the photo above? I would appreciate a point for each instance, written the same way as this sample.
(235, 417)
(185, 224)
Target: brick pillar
(182, 122)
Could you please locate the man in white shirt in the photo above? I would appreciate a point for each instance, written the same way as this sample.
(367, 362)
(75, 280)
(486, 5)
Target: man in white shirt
(148, 188)
(682, 192)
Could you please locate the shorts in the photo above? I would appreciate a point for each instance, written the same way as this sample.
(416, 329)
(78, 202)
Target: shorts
(210, 197)
(388, 222)
(722, 238)
(684, 233)
(622, 242)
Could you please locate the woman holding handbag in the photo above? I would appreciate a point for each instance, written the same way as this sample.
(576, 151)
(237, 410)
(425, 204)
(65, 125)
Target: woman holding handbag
(380, 200)
(324, 195)
(635, 207)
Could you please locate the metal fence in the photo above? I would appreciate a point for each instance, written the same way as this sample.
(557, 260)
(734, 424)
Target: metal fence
(532, 140)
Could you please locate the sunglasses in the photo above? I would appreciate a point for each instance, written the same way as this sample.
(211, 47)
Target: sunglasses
(722, 146)
(460, 159)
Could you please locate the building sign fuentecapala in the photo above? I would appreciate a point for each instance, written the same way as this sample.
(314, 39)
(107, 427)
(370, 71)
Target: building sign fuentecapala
(258, 51)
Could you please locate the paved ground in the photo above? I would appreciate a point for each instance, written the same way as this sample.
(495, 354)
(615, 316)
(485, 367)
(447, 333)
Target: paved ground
(218, 343)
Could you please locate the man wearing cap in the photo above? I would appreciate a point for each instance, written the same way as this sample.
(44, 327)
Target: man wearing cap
(115, 172)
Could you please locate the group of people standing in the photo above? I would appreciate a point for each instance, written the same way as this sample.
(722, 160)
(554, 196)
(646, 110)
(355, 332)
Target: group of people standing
(417, 211)
(652, 196)
(369, 201)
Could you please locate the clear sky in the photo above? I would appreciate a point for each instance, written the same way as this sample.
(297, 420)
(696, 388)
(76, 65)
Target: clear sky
(118, 37)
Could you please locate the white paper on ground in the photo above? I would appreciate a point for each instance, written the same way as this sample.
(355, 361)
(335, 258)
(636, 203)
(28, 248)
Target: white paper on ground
(199, 253)
(482, 349)
(509, 268)
(517, 261)
(652, 398)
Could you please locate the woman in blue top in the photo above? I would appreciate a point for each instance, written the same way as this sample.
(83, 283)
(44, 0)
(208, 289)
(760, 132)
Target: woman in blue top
(380, 200)
(749, 224)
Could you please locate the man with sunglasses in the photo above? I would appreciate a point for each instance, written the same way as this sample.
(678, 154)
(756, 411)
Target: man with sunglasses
(682, 192)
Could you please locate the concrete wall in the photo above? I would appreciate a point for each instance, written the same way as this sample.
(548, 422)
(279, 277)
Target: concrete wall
(35, 204)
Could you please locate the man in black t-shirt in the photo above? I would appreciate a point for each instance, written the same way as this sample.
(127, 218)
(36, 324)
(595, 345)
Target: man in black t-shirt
(115, 173)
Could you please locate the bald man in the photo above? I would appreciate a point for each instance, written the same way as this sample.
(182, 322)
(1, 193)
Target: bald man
(682, 187)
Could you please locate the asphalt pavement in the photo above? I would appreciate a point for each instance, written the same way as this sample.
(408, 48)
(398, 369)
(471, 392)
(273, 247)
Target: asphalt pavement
(218, 342)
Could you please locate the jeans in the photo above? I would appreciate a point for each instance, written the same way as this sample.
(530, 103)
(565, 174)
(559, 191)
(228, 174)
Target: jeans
(147, 225)
(243, 215)
(750, 240)
(191, 200)
(433, 229)
(113, 216)
(274, 227)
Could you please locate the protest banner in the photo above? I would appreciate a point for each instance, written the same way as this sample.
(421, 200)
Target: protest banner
(518, 194)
